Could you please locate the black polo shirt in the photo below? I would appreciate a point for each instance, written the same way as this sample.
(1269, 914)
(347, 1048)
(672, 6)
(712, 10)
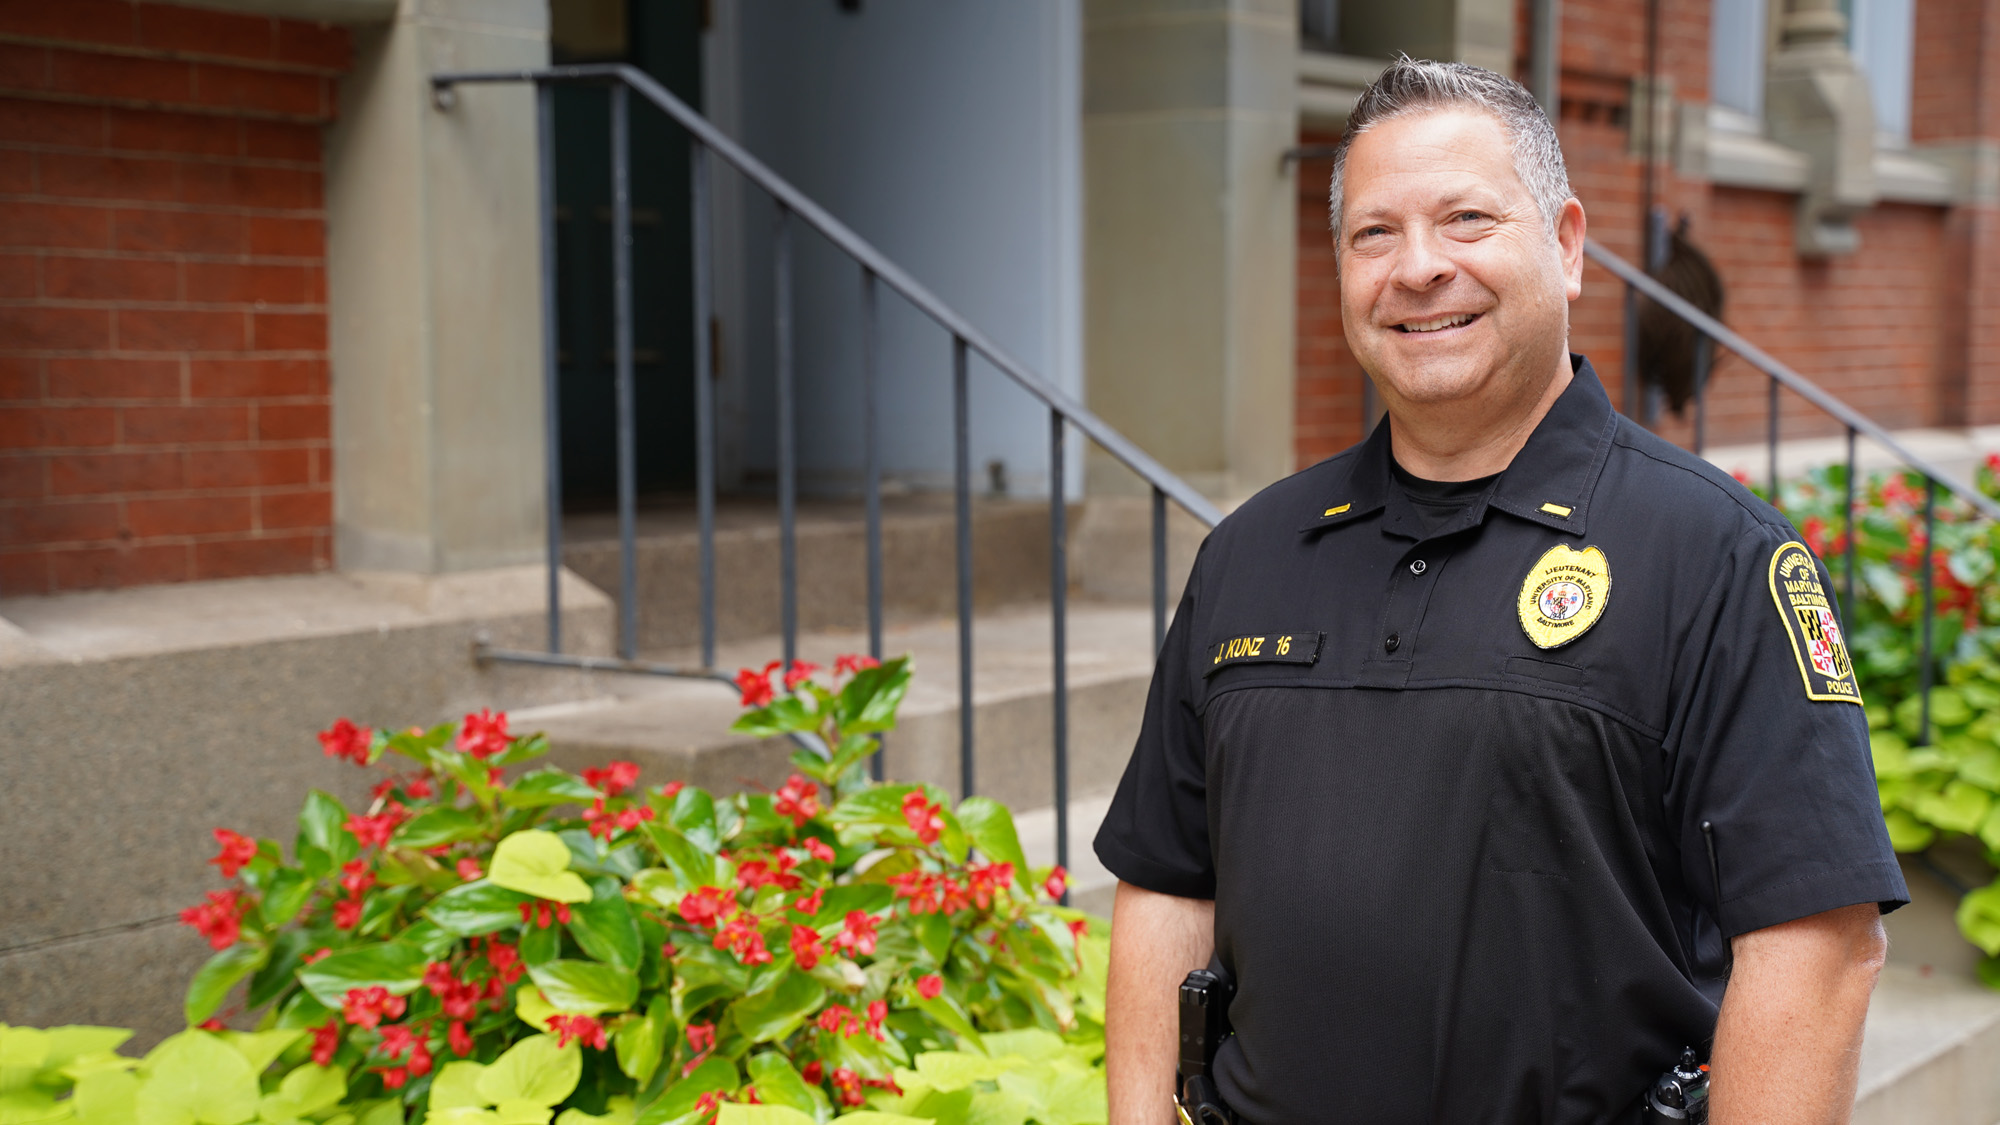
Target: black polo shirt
(1447, 786)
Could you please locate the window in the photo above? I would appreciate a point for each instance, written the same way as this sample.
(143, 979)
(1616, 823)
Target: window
(1882, 36)
(1319, 25)
(1738, 39)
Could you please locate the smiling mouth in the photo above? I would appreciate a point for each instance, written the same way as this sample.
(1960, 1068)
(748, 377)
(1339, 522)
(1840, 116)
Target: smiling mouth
(1440, 324)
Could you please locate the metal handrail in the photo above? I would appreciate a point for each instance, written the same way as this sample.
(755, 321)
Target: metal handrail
(1712, 331)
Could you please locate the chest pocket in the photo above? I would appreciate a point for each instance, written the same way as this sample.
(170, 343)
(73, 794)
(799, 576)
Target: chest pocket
(1271, 647)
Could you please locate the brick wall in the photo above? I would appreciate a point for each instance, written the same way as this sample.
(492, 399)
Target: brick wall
(1907, 330)
(163, 372)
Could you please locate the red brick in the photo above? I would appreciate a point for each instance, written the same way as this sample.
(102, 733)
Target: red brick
(109, 279)
(56, 427)
(24, 573)
(21, 478)
(17, 276)
(230, 282)
(289, 422)
(247, 468)
(55, 328)
(316, 45)
(142, 130)
(55, 225)
(97, 568)
(181, 425)
(277, 140)
(23, 68)
(322, 464)
(50, 123)
(284, 332)
(242, 558)
(287, 238)
(194, 31)
(96, 474)
(250, 185)
(277, 510)
(121, 77)
(192, 515)
(23, 524)
(114, 378)
(257, 378)
(112, 22)
(17, 172)
(196, 232)
(20, 378)
(260, 91)
(175, 330)
(77, 176)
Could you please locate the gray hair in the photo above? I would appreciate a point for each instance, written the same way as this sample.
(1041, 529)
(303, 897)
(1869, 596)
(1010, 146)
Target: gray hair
(1411, 86)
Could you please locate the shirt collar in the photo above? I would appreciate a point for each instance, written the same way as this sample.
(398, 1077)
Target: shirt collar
(1549, 482)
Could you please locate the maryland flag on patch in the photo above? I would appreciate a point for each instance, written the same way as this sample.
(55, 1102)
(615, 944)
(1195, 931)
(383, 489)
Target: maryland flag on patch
(1809, 619)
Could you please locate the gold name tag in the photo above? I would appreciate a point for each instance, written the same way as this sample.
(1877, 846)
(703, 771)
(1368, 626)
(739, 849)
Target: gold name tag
(1266, 648)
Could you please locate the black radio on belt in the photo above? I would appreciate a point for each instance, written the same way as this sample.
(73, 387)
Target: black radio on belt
(1204, 1007)
(1680, 1096)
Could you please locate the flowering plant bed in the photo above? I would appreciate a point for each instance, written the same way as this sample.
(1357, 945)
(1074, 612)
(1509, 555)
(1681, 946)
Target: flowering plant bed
(489, 945)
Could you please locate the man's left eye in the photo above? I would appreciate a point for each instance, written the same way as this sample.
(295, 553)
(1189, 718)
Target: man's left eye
(1471, 216)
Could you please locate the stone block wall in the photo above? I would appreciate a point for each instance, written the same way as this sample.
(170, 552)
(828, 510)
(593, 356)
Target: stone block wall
(164, 409)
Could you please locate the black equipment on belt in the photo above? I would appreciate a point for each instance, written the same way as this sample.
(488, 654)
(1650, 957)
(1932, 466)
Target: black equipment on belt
(1680, 1095)
(1204, 1007)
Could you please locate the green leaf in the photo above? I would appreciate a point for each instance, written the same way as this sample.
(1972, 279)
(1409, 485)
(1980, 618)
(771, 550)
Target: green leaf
(306, 1090)
(779, 1083)
(955, 1070)
(878, 807)
(222, 972)
(535, 1070)
(693, 812)
(618, 1110)
(524, 748)
(691, 866)
(547, 787)
(784, 716)
(990, 827)
(261, 1048)
(196, 1077)
(537, 863)
(106, 1097)
(285, 894)
(320, 823)
(457, 1086)
(586, 986)
(868, 703)
(443, 825)
(1906, 832)
(604, 926)
(1961, 807)
(478, 907)
(641, 1043)
(1979, 918)
(678, 1105)
(734, 1114)
(390, 964)
(870, 1117)
(776, 1012)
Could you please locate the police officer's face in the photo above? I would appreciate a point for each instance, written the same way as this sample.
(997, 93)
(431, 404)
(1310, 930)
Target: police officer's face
(1451, 285)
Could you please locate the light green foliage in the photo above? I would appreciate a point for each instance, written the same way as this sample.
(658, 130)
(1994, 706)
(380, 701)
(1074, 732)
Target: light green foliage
(536, 863)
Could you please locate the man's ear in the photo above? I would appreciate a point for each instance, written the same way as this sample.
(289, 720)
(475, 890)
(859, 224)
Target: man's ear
(1570, 228)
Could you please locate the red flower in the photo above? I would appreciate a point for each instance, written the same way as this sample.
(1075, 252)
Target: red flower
(705, 905)
(542, 913)
(819, 849)
(858, 936)
(213, 1023)
(484, 735)
(701, 1040)
(756, 686)
(460, 1039)
(420, 1059)
(877, 1012)
(853, 662)
(583, 1029)
(1077, 928)
(326, 1040)
(237, 852)
(810, 903)
(393, 1077)
(798, 799)
(774, 872)
(925, 818)
(1815, 535)
(740, 937)
(930, 894)
(929, 987)
(989, 882)
(798, 673)
(220, 918)
(849, 1085)
(813, 1072)
(347, 914)
(374, 831)
(836, 1019)
(345, 740)
(318, 955)
(397, 1039)
(1057, 883)
(613, 779)
(356, 876)
(468, 869)
(670, 951)
(672, 789)
(419, 788)
(366, 1007)
(806, 947)
(505, 959)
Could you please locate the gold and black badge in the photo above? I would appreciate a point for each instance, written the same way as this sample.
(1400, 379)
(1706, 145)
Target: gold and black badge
(1564, 595)
(1817, 642)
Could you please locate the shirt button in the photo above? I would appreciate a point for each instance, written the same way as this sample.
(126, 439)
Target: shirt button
(1419, 567)
(1390, 642)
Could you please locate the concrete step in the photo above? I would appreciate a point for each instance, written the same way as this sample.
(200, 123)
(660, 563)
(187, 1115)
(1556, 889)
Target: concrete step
(1932, 1051)
(678, 729)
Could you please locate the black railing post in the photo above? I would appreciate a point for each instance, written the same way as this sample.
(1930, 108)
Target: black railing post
(704, 389)
(961, 429)
(1772, 439)
(1059, 612)
(621, 270)
(1159, 570)
(1631, 396)
(871, 437)
(1853, 533)
(1930, 606)
(1704, 362)
(545, 168)
(788, 562)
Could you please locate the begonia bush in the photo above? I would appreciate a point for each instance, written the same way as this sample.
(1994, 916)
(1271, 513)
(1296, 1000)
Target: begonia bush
(487, 944)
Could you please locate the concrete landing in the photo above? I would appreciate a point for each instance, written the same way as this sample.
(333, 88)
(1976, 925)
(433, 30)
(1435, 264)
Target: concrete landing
(1932, 1051)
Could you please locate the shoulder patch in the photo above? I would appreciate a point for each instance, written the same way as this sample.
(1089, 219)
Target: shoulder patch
(1298, 647)
(1803, 606)
(1564, 595)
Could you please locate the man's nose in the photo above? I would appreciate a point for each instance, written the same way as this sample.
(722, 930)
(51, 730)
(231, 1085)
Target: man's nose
(1422, 262)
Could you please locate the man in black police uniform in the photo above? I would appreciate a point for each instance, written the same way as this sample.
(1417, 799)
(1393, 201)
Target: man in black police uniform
(1456, 733)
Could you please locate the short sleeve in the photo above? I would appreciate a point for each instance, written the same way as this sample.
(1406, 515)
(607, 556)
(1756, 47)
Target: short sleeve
(1155, 835)
(1770, 786)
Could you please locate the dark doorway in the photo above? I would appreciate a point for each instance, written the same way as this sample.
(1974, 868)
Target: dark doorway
(663, 38)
